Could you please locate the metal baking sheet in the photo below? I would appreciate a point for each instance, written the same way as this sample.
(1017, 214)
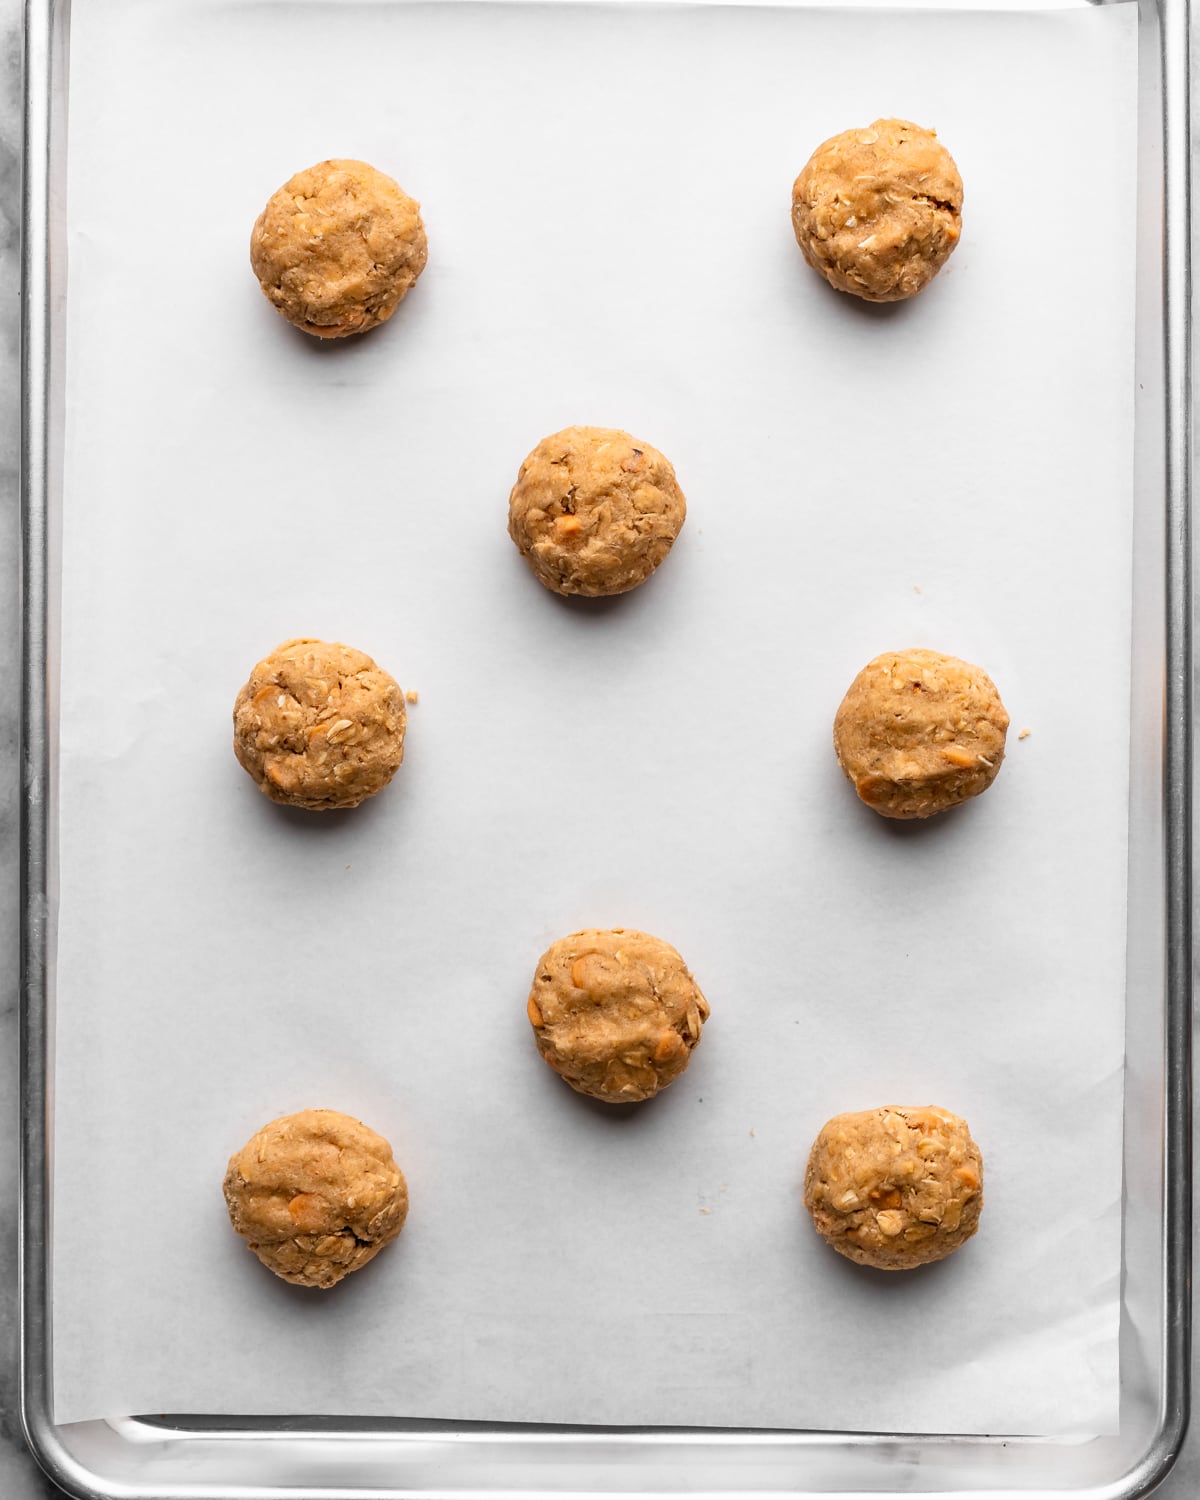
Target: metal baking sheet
(572, 630)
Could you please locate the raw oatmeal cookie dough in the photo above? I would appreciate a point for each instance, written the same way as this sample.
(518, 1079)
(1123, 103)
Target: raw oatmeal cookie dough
(919, 732)
(895, 1187)
(315, 1195)
(878, 211)
(319, 725)
(595, 511)
(616, 1013)
(338, 248)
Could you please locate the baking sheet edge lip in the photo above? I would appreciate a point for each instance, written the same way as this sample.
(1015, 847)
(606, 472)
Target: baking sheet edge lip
(33, 1406)
(38, 1429)
(1177, 1122)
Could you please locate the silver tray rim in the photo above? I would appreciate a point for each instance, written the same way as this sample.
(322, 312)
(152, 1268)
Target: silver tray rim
(46, 19)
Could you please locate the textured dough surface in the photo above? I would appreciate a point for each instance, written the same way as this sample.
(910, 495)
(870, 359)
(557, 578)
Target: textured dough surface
(319, 725)
(918, 732)
(338, 248)
(895, 1187)
(878, 211)
(595, 511)
(316, 1195)
(616, 1013)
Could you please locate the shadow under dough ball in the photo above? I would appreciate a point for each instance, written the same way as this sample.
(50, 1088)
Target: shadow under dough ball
(615, 1013)
(338, 248)
(315, 1195)
(595, 511)
(878, 211)
(918, 732)
(319, 725)
(895, 1187)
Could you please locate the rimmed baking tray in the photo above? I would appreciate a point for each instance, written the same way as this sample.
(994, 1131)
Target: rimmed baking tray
(344, 1457)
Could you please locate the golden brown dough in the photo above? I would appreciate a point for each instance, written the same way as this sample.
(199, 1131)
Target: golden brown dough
(616, 1013)
(338, 248)
(319, 725)
(595, 511)
(316, 1195)
(895, 1187)
(919, 732)
(878, 211)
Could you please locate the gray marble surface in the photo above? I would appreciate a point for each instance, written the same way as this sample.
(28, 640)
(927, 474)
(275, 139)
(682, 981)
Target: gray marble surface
(19, 1477)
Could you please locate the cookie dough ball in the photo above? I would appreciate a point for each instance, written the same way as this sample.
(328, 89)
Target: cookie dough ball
(878, 211)
(895, 1187)
(595, 511)
(315, 1195)
(919, 732)
(338, 248)
(319, 725)
(616, 1013)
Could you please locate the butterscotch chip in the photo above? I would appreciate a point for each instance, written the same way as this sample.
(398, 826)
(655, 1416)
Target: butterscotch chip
(595, 511)
(319, 725)
(878, 211)
(919, 732)
(615, 1013)
(895, 1187)
(338, 248)
(315, 1195)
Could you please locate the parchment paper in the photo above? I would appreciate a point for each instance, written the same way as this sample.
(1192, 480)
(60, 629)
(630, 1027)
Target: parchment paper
(606, 192)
